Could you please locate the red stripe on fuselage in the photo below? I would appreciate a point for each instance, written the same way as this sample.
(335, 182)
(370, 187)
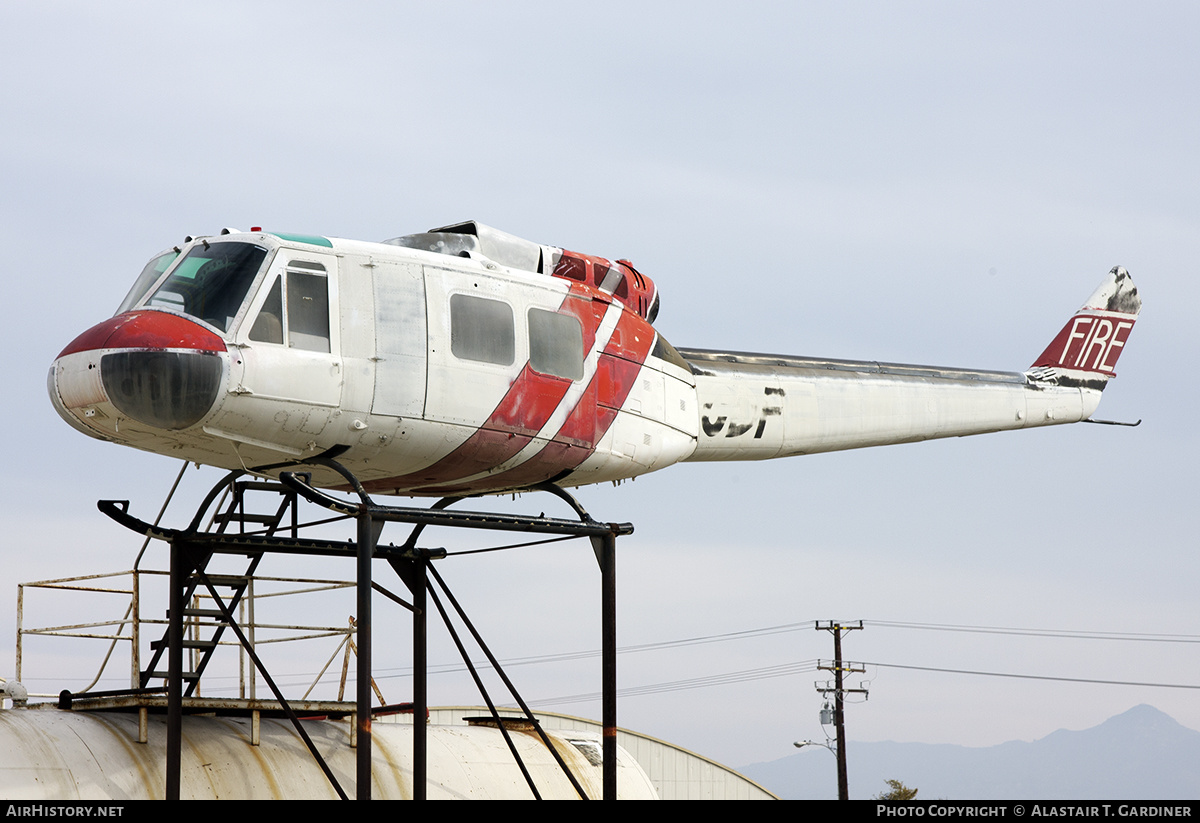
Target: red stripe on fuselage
(530, 401)
(617, 370)
(523, 411)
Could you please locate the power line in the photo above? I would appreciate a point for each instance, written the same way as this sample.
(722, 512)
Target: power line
(1035, 676)
(742, 676)
(784, 628)
(1145, 637)
(768, 672)
(562, 657)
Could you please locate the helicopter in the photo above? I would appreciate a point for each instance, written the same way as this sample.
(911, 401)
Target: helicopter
(466, 360)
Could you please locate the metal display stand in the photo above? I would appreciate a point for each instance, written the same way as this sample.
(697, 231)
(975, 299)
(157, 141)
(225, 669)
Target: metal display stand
(193, 547)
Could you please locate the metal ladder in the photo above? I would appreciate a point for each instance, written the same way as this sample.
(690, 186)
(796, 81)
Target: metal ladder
(209, 618)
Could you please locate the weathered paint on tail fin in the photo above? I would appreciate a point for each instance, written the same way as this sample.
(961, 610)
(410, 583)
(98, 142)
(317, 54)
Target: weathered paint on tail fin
(1085, 352)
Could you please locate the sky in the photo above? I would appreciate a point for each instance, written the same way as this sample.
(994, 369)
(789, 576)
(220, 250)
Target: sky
(932, 183)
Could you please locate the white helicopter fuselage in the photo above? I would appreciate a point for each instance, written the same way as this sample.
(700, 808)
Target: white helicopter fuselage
(466, 360)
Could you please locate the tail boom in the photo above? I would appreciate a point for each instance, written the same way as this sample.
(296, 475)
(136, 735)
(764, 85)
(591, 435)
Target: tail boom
(758, 406)
(755, 407)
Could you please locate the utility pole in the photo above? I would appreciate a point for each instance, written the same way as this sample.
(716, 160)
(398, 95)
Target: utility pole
(839, 668)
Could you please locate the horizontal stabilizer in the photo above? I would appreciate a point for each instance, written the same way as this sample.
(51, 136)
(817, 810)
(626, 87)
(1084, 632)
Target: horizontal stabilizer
(1085, 352)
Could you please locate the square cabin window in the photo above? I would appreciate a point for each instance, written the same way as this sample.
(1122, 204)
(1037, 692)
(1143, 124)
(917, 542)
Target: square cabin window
(481, 329)
(555, 344)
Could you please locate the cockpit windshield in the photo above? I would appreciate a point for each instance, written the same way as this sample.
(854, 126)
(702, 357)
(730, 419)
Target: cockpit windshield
(211, 282)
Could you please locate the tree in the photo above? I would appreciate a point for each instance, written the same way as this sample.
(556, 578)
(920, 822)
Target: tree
(898, 791)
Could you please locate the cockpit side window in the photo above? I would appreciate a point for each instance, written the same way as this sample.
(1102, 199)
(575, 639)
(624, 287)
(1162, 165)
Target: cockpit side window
(147, 278)
(211, 283)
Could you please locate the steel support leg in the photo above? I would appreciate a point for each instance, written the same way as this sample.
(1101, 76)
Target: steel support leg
(179, 574)
(415, 574)
(366, 549)
(606, 554)
(420, 680)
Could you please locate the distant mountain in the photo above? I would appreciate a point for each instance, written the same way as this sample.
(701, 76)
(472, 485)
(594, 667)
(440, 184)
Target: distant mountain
(1141, 754)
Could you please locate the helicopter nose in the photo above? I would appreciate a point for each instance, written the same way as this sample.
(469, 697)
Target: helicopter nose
(156, 368)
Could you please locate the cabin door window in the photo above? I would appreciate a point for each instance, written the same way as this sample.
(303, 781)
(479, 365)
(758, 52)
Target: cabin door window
(290, 355)
(306, 312)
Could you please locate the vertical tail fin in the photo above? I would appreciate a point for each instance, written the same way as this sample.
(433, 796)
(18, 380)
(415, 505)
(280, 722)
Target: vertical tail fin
(1086, 350)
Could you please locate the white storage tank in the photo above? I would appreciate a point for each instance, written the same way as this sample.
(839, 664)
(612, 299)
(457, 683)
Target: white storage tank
(52, 754)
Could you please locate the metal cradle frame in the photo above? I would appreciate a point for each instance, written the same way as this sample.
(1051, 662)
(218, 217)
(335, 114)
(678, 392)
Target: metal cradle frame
(192, 547)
